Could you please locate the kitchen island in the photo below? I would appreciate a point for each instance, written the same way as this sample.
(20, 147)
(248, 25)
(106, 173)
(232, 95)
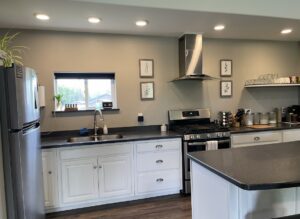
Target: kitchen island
(256, 182)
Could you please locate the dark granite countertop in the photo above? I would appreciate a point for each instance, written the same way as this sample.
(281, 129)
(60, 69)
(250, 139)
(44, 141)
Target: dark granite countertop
(257, 167)
(57, 141)
(280, 126)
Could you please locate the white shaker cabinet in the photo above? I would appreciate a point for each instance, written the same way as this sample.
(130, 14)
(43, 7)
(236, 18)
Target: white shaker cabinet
(98, 174)
(256, 138)
(158, 167)
(291, 135)
(95, 173)
(50, 177)
(115, 178)
(79, 179)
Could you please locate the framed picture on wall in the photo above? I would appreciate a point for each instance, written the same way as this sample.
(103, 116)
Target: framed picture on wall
(226, 68)
(147, 90)
(146, 68)
(226, 88)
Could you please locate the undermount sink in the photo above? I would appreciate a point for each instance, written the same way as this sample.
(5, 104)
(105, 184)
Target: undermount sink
(94, 138)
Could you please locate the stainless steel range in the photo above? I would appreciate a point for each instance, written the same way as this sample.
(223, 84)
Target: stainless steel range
(198, 135)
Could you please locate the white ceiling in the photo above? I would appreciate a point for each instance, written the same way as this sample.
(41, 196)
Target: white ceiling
(166, 17)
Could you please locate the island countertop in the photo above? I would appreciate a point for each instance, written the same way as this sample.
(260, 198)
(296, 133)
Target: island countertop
(257, 167)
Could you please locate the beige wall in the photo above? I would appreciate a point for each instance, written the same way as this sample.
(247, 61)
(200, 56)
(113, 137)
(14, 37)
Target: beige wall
(64, 51)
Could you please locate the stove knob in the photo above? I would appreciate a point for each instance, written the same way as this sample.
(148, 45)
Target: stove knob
(220, 134)
(208, 136)
(198, 136)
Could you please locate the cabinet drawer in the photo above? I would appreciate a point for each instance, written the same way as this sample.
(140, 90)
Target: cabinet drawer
(152, 146)
(156, 181)
(257, 138)
(291, 135)
(95, 150)
(158, 161)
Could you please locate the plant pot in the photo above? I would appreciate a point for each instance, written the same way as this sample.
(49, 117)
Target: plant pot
(59, 107)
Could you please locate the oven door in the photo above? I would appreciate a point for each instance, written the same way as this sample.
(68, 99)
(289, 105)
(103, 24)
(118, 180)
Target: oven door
(200, 145)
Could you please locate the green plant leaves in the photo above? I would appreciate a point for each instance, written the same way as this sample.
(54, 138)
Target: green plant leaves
(12, 53)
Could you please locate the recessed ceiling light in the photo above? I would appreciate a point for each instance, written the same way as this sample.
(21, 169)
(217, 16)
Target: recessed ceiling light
(219, 27)
(94, 20)
(141, 23)
(286, 31)
(42, 17)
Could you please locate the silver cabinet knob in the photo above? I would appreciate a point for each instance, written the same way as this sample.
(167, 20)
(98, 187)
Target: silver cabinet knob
(159, 146)
(50, 172)
(100, 166)
(159, 161)
(257, 138)
(95, 167)
(159, 180)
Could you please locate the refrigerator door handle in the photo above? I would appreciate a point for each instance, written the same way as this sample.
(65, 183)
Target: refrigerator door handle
(31, 128)
(35, 99)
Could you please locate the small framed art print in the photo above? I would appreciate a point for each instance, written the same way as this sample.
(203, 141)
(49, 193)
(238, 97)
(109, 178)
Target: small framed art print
(225, 68)
(146, 68)
(147, 90)
(226, 88)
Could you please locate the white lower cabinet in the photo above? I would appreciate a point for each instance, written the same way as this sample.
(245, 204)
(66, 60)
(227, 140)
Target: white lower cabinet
(158, 167)
(291, 135)
(256, 138)
(115, 177)
(92, 175)
(79, 179)
(50, 177)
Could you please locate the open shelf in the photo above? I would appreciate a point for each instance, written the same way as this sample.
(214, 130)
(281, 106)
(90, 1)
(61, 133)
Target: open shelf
(272, 85)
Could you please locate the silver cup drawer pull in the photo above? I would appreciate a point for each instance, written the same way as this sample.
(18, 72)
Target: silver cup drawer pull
(159, 180)
(159, 161)
(159, 146)
(256, 138)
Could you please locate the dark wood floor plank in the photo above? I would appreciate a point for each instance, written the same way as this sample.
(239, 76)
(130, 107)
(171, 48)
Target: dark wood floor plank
(166, 208)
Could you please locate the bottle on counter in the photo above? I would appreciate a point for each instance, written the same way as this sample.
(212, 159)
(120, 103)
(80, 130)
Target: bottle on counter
(105, 130)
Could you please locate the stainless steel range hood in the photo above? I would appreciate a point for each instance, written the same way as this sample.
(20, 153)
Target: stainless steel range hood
(191, 58)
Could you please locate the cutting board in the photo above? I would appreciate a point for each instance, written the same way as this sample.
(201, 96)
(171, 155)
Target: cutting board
(260, 126)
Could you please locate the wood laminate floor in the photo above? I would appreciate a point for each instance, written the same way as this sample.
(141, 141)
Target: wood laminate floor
(165, 208)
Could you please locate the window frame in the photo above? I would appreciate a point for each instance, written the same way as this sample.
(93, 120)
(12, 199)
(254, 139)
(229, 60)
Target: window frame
(86, 76)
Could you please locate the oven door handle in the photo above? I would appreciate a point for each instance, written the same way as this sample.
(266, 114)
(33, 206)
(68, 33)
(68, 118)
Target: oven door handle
(224, 141)
(204, 143)
(196, 143)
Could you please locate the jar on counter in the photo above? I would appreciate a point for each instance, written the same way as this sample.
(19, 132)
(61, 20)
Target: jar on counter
(272, 118)
(264, 119)
(248, 119)
(256, 119)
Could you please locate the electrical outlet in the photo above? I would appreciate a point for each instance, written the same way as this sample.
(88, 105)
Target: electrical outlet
(140, 117)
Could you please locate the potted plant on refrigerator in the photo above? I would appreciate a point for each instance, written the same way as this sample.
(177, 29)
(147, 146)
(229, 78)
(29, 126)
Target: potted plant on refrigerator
(10, 54)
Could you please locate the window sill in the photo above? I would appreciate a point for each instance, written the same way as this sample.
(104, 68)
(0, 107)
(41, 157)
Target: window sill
(84, 111)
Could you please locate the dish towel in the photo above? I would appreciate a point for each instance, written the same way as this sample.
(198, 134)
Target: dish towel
(211, 145)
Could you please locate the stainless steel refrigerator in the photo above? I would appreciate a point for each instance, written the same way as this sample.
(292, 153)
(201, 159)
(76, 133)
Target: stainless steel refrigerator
(20, 131)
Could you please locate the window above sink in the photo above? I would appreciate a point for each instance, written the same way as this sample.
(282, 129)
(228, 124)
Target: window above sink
(85, 90)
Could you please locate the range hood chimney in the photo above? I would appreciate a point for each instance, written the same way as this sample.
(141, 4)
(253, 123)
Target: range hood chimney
(191, 58)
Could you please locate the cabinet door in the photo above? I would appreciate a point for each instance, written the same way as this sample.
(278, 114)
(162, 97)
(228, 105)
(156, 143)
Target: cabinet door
(49, 177)
(115, 177)
(291, 135)
(79, 179)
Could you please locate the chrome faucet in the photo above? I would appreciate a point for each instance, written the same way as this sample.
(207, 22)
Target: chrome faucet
(97, 111)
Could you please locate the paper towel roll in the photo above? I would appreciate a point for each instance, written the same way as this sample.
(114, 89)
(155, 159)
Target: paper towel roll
(42, 96)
